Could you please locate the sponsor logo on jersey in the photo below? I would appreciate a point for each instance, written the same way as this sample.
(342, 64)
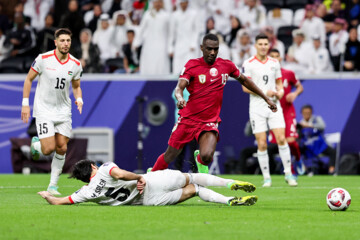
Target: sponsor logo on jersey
(33, 64)
(52, 69)
(202, 78)
(70, 73)
(213, 72)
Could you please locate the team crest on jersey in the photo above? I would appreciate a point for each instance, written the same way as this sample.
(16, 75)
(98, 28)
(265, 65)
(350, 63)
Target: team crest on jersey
(213, 72)
(202, 78)
(70, 73)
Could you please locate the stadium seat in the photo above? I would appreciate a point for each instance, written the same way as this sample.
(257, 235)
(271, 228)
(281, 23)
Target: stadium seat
(334, 140)
(113, 64)
(296, 4)
(285, 20)
(27, 64)
(271, 4)
(299, 16)
(12, 65)
(285, 35)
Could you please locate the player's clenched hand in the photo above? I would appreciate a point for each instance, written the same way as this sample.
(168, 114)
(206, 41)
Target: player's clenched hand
(141, 185)
(79, 105)
(25, 114)
(181, 104)
(272, 105)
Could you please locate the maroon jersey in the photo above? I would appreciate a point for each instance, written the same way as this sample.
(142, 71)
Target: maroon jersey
(289, 81)
(206, 86)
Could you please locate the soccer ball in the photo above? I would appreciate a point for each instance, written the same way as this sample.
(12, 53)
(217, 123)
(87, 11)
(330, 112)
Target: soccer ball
(338, 199)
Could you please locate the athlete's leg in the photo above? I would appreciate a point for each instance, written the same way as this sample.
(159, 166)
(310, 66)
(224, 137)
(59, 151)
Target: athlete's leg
(207, 145)
(284, 150)
(58, 160)
(46, 145)
(263, 157)
(294, 148)
(164, 159)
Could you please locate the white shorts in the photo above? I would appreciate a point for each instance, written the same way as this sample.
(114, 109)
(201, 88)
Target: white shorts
(163, 187)
(47, 128)
(260, 122)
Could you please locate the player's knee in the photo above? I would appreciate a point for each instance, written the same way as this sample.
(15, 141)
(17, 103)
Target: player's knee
(281, 140)
(189, 191)
(262, 145)
(47, 149)
(207, 157)
(61, 149)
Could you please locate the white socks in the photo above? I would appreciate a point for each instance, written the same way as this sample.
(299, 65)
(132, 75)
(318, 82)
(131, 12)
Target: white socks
(211, 196)
(284, 152)
(263, 159)
(37, 147)
(56, 168)
(207, 180)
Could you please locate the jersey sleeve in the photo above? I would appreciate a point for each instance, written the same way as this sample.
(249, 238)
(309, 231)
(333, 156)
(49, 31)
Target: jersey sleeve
(37, 64)
(277, 71)
(186, 72)
(246, 69)
(106, 168)
(293, 80)
(234, 70)
(79, 196)
(78, 72)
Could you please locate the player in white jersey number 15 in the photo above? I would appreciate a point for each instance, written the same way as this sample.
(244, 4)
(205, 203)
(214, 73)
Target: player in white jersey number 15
(52, 105)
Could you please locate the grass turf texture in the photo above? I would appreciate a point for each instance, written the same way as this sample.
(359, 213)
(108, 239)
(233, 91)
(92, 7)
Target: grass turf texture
(280, 213)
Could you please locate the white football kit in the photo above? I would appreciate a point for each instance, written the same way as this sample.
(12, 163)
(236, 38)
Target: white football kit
(264, 75)
(52, 104)
(162, 188)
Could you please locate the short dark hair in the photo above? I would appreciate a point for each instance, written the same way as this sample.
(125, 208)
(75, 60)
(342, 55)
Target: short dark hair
(261, 36)
(274, 50)
(211, 37)
(62, 31)
(130, 31)
(307, 106)
(82, 170)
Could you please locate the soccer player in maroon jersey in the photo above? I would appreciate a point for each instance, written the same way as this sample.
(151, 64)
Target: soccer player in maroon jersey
(205, 79)
(286, 102)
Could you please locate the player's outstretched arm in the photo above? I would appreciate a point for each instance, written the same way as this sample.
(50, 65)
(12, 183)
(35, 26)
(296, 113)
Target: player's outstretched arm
(25, 109)
(54, 200)
(251, 86)
(77, 94)
(179, 91)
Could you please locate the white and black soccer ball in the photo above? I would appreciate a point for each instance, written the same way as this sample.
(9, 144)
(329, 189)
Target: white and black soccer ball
(338, 199)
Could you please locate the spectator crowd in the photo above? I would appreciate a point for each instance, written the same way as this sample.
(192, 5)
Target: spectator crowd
(159, 36)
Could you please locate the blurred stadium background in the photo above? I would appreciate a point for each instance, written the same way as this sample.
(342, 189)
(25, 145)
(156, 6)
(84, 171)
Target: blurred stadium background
(116, 84)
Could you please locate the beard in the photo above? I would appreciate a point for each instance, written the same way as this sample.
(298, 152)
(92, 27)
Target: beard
(64, 52)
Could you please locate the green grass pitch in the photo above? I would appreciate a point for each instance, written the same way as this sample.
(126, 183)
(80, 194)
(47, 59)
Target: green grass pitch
(280, 213)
